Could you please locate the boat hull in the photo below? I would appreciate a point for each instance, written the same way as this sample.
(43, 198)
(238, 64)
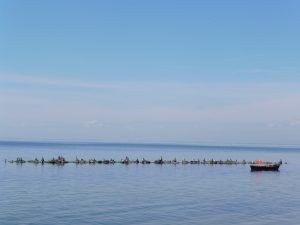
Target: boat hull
(274, 167)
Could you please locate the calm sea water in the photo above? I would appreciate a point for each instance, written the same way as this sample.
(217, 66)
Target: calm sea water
(147, 194)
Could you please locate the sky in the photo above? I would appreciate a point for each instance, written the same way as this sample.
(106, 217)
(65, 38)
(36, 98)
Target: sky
(186, 72)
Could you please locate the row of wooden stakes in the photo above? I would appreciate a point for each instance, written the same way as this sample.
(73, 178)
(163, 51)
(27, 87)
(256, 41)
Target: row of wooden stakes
(60, 160)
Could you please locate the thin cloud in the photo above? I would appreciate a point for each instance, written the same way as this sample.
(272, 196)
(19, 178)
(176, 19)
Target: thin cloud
(93, 123)
(55, 82)
(189, 88)
(294, 123)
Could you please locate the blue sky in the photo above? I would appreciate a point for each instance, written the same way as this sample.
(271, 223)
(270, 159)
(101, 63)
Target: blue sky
(220, 72)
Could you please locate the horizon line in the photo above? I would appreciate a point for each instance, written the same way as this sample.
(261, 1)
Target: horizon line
(153, 144)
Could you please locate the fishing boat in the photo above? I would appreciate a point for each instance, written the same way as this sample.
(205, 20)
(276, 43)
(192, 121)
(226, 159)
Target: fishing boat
(260, 166)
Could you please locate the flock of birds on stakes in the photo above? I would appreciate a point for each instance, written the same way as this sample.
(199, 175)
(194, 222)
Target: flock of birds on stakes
(60, 160)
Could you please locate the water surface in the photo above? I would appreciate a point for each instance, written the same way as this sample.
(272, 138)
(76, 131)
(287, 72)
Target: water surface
(147, 194)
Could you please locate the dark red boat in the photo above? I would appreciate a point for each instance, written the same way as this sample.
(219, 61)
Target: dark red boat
(265, 167)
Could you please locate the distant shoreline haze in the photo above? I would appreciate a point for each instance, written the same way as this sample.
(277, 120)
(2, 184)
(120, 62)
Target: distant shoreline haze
(135, 144)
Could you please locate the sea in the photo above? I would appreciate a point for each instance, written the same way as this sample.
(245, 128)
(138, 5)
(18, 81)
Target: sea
(147, 194)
